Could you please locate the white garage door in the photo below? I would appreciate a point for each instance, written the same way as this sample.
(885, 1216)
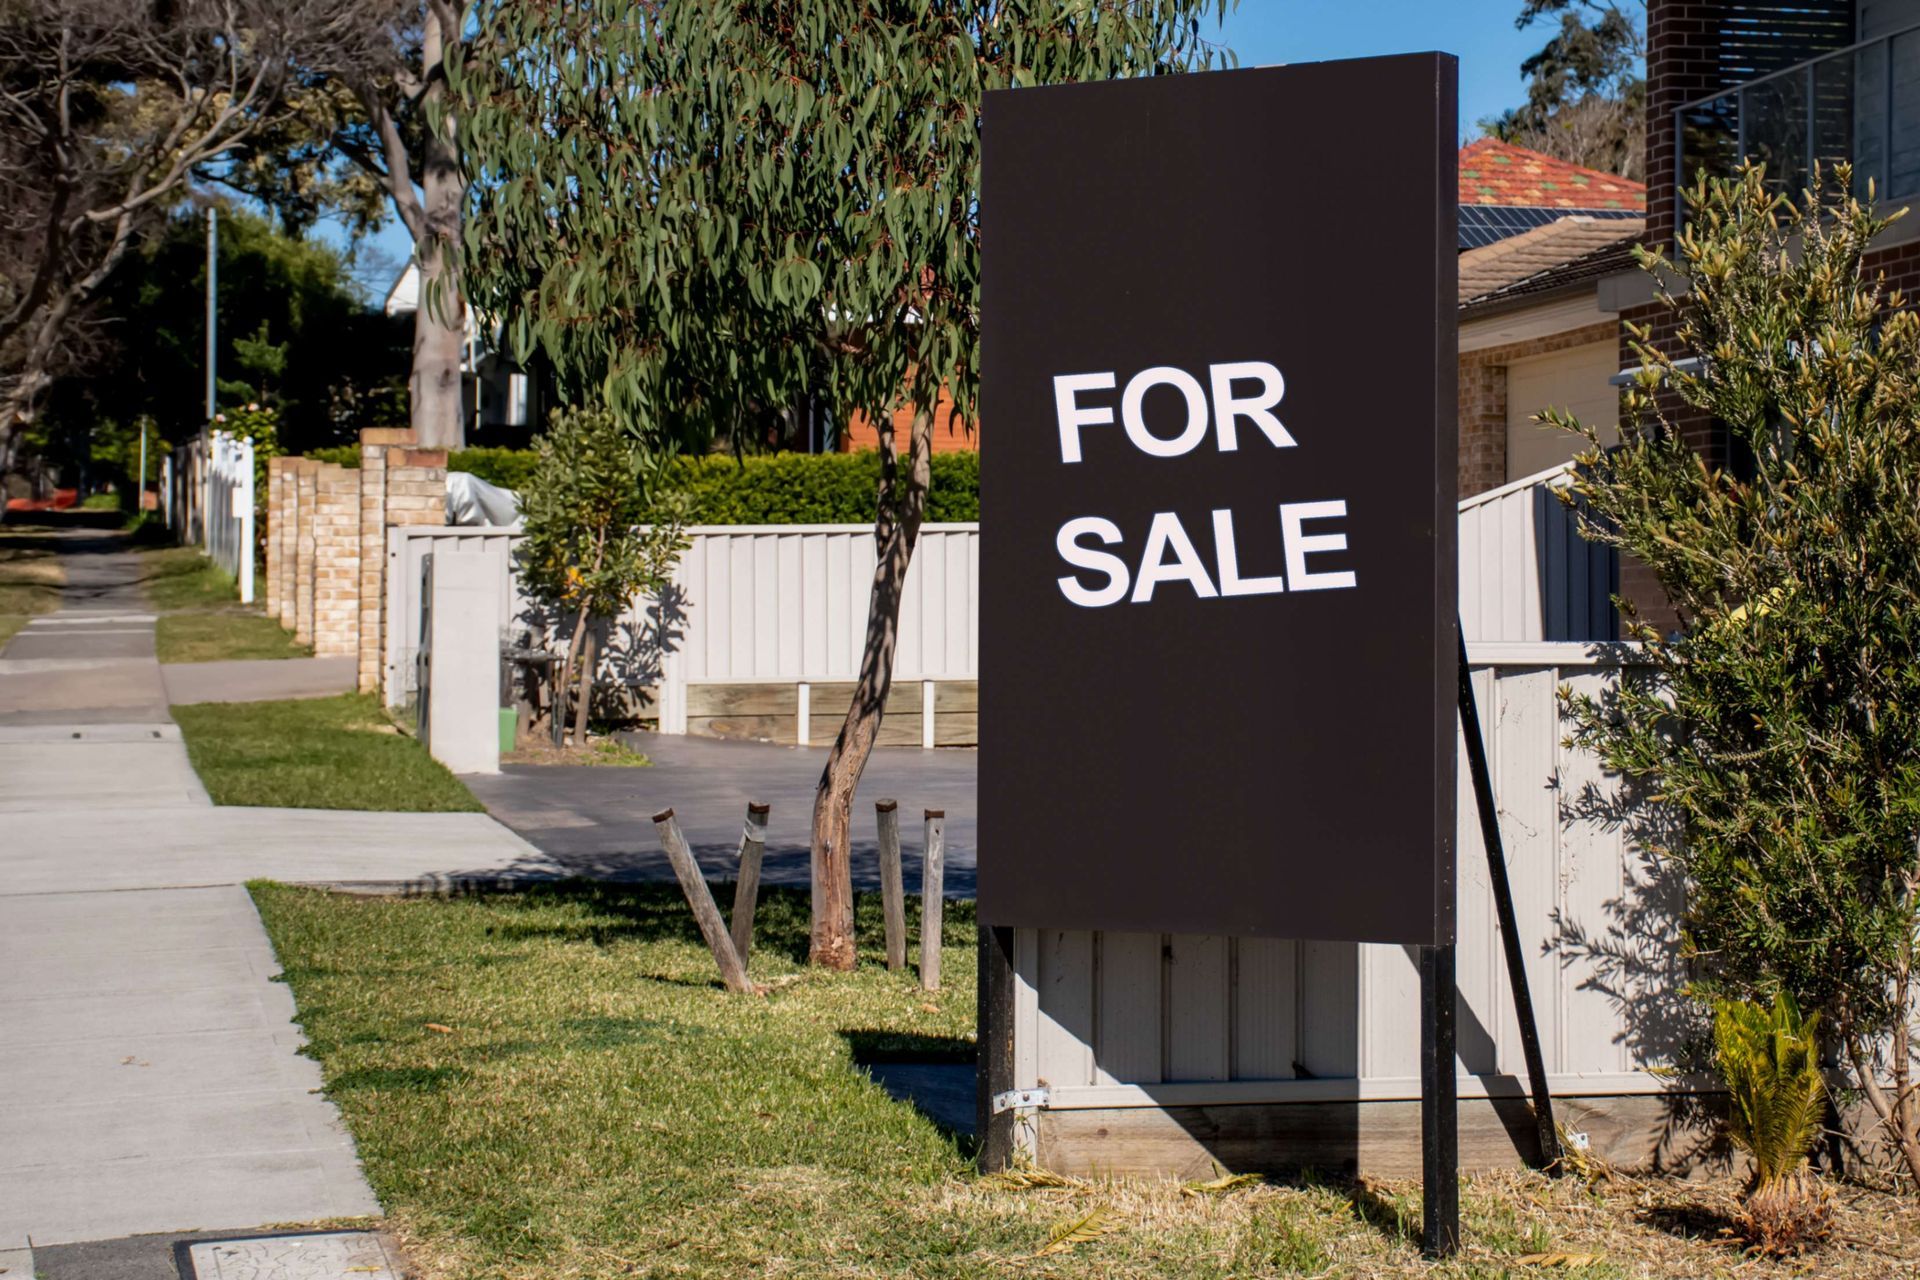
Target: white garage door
(1575, 381)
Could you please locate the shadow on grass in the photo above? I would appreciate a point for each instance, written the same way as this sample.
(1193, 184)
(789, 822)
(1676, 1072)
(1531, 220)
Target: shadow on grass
(1392, 1216)
(782, 921)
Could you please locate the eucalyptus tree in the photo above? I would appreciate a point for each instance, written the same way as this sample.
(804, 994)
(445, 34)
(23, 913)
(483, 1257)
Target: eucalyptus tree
(110, 111)
(698, 207)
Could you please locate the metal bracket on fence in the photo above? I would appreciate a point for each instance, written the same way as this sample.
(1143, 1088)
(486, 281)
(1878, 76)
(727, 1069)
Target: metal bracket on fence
(1019, 1100)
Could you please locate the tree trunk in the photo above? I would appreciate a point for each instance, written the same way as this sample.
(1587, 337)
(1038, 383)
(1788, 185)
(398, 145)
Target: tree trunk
(585, 696)
(438, 407)
(903, 502)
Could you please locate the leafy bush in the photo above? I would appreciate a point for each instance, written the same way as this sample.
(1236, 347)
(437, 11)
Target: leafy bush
(343, 455)
(773, 488)
(1780, 724)
(818, 488)
(1768, 1056)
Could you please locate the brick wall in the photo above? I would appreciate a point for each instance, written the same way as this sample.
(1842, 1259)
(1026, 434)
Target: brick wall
(326, 541)
(948, 436)
(306, 472)
(1483, 402)
(336, 562)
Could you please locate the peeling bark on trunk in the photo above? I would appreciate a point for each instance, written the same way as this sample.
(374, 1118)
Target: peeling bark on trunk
(903, 502)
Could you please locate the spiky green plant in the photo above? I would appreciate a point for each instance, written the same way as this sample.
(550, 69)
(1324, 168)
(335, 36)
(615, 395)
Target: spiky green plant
(1768, 1056)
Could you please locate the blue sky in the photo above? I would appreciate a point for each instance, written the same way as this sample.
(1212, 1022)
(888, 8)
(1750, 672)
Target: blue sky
(1265, 32)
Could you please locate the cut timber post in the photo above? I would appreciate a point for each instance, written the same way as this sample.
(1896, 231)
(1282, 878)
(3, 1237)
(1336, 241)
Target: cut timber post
(893, 891)
(933, 887)
(700, 898)
(746, 889)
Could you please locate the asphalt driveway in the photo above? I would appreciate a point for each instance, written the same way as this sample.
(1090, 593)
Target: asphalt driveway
(597, 821)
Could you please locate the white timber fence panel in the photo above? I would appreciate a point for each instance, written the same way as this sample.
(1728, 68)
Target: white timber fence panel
(747, 604)
(1525, 571)
(210, 502)
(1122, 1019)
(407, 549)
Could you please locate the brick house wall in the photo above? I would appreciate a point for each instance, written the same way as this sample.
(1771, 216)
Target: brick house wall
(948, 436)
(1483, 401)
(1695, 49)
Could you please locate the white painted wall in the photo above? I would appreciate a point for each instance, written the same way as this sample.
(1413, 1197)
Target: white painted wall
(1146, 1019)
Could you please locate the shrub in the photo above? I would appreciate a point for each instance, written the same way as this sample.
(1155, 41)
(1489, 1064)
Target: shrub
(818, 488)
(1780, 723)
(508, 468)
(602, 525)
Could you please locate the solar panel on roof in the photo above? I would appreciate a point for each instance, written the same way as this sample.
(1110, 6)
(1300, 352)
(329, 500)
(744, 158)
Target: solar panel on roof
(1484, 224)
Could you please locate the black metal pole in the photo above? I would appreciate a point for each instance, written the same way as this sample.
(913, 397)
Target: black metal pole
(1439, 1107)
(993, 1038)
(1509, 925)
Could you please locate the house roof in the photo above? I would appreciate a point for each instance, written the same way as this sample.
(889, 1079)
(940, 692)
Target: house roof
(1495, 172)
(1563, 252)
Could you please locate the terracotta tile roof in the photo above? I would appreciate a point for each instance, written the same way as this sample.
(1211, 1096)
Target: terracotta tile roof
(1562, 252)
(1495, 172)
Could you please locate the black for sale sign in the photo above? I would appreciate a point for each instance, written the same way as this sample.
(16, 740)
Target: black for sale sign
(1218, 669)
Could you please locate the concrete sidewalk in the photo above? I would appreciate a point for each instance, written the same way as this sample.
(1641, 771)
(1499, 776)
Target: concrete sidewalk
(150, 1076)
(267, 680)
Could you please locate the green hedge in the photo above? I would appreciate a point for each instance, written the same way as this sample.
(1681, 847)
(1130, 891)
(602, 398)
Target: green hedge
(818, 488)
(774, 488)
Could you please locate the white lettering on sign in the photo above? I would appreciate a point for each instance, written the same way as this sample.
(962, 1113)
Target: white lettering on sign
(1169, 556)
(1217, 402)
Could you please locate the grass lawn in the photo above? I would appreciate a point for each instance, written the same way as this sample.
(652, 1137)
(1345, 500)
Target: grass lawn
(30, 578)
(316, 753)
(552, 1084)
(201, 618)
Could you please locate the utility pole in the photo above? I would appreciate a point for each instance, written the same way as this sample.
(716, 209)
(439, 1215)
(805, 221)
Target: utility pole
(213, 299)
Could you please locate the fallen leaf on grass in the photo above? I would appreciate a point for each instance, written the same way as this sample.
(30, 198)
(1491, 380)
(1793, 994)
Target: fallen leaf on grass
(1225, 1182)
(441, 1027)
(1559, 1260)
(1090, 1225)
(929, 1007)
(1023, 1179)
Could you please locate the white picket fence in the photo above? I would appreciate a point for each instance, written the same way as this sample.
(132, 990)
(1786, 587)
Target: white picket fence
(747, 604)
(208, 489)
(1122, 1020)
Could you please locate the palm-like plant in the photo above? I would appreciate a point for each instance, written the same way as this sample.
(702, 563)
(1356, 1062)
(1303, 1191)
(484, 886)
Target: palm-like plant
(1768, 1056)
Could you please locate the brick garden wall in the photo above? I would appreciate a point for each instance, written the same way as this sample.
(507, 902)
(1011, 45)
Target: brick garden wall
(326, 541)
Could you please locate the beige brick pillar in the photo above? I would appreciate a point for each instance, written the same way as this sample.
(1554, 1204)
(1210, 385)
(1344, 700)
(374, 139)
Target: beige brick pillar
(285, 534)
(376, 443)
(271, 601)
(336, 562)
(306, 473)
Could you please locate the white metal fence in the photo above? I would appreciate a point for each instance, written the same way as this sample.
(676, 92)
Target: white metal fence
(1526, 573)
(1116, 1020)
(747, 604)
(208, 485)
